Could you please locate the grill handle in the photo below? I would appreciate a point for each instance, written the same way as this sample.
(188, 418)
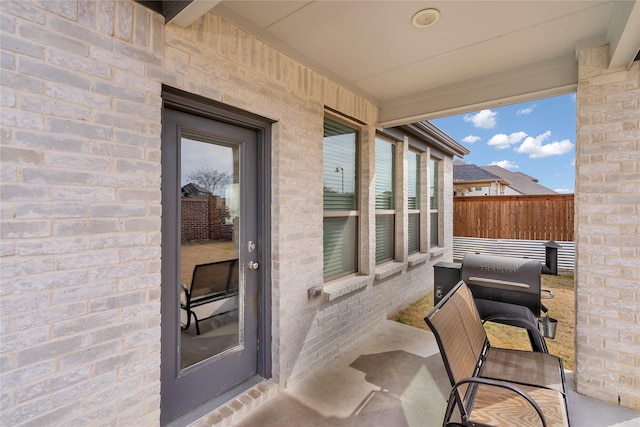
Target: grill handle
(503, 284)
(549, 293)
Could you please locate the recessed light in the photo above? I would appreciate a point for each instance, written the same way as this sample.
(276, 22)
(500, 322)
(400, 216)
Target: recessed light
(425, 18)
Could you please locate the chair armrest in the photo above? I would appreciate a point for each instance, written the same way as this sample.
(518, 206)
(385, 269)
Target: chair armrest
(187, 295)
(501, 384)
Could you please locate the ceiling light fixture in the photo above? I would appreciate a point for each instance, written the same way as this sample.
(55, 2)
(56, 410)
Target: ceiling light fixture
(425, 18)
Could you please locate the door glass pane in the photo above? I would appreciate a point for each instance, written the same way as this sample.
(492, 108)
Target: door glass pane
(210, 310)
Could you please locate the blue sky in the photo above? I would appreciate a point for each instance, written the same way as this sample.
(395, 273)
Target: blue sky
(536, 138)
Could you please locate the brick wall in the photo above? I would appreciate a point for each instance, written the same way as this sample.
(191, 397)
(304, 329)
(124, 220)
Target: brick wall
(204, 219)
(81, 213)
(218, 216)
(80, 313)
(194, 219)
(608, 230)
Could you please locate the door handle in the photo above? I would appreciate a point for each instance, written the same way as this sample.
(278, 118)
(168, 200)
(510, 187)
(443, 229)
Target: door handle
(253, 265)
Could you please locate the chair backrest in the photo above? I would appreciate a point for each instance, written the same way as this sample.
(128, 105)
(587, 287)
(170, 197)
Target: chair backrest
(461, 337)
(471, 320)
(215, 277)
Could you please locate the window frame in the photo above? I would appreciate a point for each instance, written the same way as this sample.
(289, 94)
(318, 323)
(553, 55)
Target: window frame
(355, 213)
(393, 212)
(417, 211)
(435, 194)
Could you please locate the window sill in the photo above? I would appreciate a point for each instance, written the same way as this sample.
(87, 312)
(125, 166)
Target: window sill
(417, 259)
(344, 286)
(436, 251)
(389, 269)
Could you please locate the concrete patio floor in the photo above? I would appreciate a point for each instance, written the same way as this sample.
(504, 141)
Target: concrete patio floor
(394, 377)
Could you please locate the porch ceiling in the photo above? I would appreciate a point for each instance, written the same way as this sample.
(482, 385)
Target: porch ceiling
(480, 54)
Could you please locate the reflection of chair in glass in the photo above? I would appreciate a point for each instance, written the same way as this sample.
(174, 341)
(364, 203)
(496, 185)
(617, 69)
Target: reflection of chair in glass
(212, 291)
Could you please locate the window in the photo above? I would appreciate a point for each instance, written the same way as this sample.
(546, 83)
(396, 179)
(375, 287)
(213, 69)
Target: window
(434, 176)
(413, 201)
(340, 199)
(385, 200)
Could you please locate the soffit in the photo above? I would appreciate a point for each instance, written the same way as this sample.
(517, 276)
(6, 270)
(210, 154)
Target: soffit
(479, 54)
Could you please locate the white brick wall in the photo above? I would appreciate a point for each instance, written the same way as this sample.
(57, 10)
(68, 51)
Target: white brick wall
(80, 152)
(608, 230)
(80, 217)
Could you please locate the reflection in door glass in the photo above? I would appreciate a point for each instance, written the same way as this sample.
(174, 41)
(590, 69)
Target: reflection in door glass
(210, 309)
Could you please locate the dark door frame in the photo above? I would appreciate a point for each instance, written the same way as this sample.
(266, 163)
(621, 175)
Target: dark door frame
(193, 104)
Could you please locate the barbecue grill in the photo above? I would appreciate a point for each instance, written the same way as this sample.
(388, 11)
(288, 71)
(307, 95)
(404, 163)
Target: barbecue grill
(506, 290)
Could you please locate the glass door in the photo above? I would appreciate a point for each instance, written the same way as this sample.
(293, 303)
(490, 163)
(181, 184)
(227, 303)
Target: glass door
(210, 247)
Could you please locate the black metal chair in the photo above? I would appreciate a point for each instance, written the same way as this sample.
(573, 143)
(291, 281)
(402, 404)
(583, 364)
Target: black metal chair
(210, 282)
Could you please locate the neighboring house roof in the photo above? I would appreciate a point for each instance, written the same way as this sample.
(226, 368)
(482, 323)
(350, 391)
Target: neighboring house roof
(520, 182)
(471, 174)
(194, 190)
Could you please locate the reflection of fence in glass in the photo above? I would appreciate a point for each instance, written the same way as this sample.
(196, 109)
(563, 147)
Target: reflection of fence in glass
(334, 200)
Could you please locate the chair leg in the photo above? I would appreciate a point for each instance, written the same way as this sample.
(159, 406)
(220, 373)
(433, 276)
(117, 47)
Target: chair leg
(451, 404)
(197, 325)
(537, 341)
(186, 327)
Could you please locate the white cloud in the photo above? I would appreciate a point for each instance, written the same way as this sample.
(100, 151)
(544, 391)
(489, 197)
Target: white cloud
(525, 111)
(563, 190)
(573, 163)
(506, 164)
(470, 139)
(502, 141)
(485, 119)
(536, 148)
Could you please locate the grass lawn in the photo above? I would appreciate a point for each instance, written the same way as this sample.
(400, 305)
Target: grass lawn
(561, 307)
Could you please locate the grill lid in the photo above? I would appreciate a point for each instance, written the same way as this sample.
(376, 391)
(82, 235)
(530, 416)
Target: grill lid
(504, 279)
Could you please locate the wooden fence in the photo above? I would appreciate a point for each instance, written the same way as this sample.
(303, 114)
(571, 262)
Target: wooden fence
(544, 217)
